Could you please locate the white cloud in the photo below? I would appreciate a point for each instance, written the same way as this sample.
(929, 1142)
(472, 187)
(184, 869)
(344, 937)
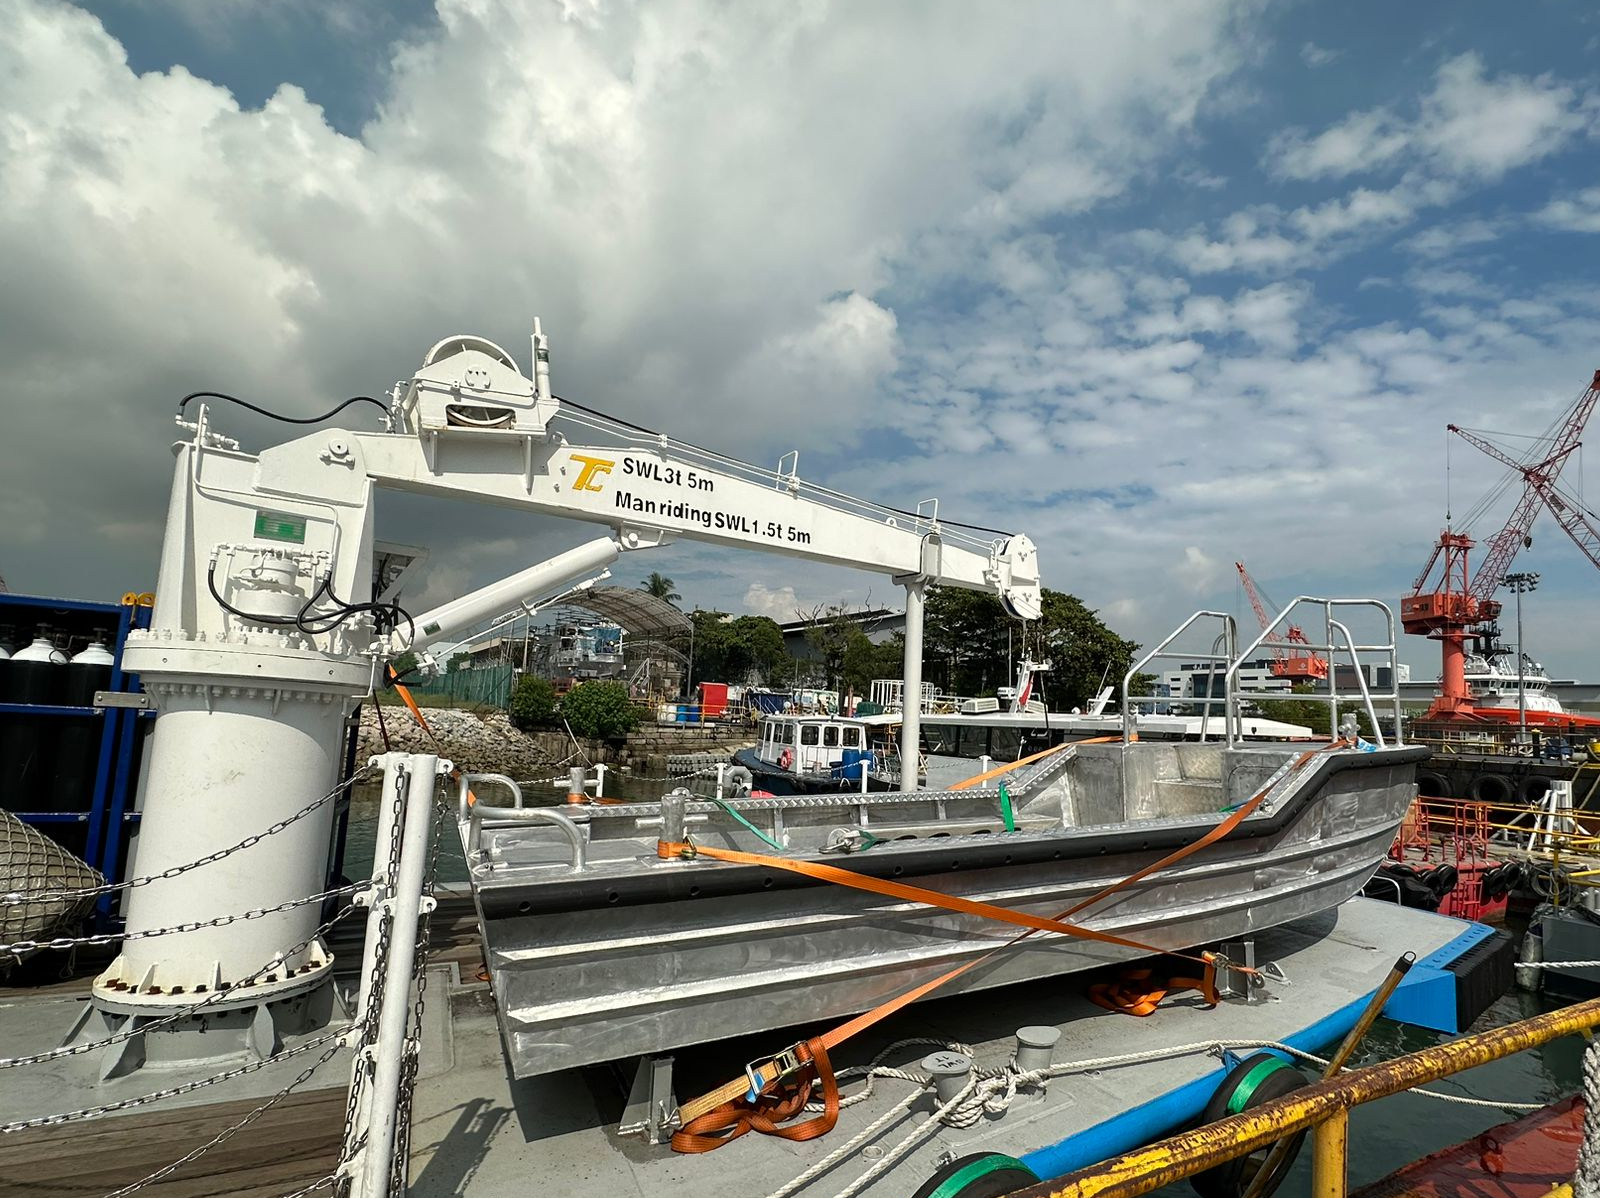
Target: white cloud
(1362, 141)
(1314, 55)
(777, 602)
(1468, 125)
(1576, 213)
(1444, 240)
(1198, 571)
(706, 206)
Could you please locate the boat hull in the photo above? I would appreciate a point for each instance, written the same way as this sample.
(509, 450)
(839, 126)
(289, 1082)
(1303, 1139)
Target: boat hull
(638, 955)
(765, 776)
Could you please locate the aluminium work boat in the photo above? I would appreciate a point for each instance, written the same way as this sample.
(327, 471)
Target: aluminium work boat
(606, 939)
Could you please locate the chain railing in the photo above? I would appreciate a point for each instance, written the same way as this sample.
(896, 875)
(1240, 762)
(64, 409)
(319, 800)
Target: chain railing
(385, 1033)
(48, 896)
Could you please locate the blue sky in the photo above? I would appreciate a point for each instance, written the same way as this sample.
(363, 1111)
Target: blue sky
(1161, 285)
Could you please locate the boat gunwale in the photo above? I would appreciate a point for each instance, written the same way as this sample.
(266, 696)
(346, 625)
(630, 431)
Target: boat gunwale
(511, 893)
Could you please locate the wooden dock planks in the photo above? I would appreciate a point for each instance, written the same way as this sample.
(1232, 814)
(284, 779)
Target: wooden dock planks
(293, 1144)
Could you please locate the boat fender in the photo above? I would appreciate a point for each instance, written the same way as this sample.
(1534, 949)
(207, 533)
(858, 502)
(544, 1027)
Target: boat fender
(1260, 1078)
(1492, 788)
(1442, 879)
(978, 1175)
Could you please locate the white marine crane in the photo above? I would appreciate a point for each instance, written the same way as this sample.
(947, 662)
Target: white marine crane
(266, 633)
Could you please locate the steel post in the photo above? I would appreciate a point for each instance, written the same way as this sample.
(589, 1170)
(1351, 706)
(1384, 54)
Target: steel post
(372, 1177)
(911, 701)
(1330, 1157)
(382, 887)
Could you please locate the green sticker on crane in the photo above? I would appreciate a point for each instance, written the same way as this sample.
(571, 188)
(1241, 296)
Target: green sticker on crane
(280, 526)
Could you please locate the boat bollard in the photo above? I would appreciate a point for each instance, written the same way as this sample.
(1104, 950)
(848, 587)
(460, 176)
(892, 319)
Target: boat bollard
(575, 785)
(1036, 1047)
(950, 1071)
(674, 815)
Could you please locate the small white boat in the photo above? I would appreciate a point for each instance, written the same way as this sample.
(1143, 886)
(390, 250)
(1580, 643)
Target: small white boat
(824, 754)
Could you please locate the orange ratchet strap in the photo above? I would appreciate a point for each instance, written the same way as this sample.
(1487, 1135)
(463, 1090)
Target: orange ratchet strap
(1140, 991)
(759, 1078)
(405, 694)
(771, 1107)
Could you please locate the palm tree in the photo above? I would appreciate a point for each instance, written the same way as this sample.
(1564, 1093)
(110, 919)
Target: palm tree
(659, 586)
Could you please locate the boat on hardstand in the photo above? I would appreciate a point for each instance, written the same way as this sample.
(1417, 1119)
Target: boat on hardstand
(614, 930)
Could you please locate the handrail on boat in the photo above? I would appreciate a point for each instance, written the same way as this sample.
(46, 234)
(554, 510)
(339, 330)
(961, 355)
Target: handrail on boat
(1228, 638)
(1323, 1107)
(1330, 696)
(472, 811)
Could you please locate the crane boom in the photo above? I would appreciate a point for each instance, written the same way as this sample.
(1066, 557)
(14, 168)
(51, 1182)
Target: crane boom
(1574, 523)
(1540, 476)
(1300, 667)
(1460, 598)
(268, 629)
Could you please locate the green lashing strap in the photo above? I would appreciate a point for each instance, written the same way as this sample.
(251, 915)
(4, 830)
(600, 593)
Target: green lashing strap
(1006, 813)
(952, 1186)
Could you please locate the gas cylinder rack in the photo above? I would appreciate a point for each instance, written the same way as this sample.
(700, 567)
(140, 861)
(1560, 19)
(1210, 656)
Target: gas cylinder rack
(71, 723)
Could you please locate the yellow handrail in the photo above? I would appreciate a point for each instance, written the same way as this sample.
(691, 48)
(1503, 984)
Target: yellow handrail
(1324, 1106)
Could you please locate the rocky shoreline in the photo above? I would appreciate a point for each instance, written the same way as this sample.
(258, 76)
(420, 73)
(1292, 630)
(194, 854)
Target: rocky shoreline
(489, 743)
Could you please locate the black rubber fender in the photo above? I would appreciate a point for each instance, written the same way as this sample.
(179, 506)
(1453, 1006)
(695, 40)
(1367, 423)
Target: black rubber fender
(978, 1175)
(1442, 879)
(1260, 1078)
(1431, 785)
(1492, 788)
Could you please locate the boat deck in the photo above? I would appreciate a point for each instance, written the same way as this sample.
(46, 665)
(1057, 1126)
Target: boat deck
(558, 1131)
(478, 1131)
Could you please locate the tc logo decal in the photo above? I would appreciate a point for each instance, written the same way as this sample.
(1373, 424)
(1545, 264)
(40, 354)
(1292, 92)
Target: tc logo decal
(592, 467)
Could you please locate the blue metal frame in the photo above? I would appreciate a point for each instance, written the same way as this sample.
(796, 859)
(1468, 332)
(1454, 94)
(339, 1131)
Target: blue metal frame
(108, 816)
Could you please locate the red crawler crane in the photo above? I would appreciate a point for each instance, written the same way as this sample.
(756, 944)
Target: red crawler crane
(1461, 599)
(1298, 667)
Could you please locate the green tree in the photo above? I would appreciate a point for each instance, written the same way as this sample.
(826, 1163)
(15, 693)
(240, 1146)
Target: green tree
(734, 650)
(404, 664)
(659, 586)
(459, 661)
(1315, 715)
(971, 645)
(533, 702)
(600, 709)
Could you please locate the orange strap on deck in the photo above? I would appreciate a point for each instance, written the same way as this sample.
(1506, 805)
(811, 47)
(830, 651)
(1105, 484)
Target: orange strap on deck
(770, 1072)
(766, 1111)
(1139, 991)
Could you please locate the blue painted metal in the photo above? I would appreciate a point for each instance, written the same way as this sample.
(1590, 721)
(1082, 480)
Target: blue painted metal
(1419, 996)
(107, 816)
(1427, 997)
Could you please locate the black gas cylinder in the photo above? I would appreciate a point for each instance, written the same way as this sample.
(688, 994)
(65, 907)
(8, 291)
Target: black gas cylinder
(78, 750)
(35, 676)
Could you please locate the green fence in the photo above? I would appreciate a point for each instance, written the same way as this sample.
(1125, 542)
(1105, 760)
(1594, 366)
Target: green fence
(489, 686)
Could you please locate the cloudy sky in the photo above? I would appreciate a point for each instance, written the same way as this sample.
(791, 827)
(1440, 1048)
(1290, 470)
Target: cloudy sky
(1162, 285)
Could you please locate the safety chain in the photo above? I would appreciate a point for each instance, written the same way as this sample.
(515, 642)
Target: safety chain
(172, 1091)
(20, 947)
(399, 1164)
(211, 1000)
(44, 896)
(228, 1132)
(321, 1183)
(372, 1002)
